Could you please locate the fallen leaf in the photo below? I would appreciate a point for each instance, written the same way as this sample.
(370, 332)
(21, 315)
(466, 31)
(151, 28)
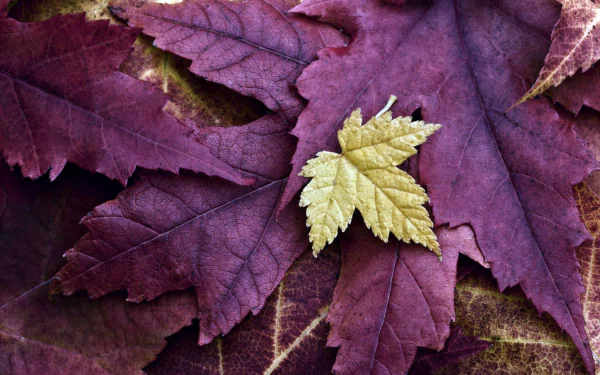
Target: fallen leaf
(365, 176)
(232, 43)
(75, 335)
(583, 88)
(63, 99)
(587, 255)
(508, 175)
(189, 96)
(173, 232)
(574, 92)
(287, 337)
(72, 335)
(392, 298)
(522, 342)
(457, 347)
(574, 45)
(35, 11)
(586, 127)
(38, 221)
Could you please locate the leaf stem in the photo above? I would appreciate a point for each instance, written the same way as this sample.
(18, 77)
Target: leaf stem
(391, 101)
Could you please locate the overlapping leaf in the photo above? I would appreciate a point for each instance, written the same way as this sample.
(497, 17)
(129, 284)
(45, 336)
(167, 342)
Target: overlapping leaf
(393, 298)
(587, 128)
(251, 46)
(457, 347)
(522, 342)
(173, 232)
(574, 45)
(63, 99)
(508, 175)
(287, 337)
(189, 96)
(365, 177)
(587, 255)
(38, 221)
(72, 335)
(289, 334)
(576, 91)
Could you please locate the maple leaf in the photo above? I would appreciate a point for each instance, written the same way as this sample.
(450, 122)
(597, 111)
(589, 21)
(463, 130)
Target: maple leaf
(574, 92)
(232, 43)
(522, 342)
(587, 255)
(287, 337)
(38, 221)
(574, 45)
(457, 347)
(63, 99)
(508, 175)
(173, 232)
(72, 335)
(365, 176)
(587, 128)
(189, 96)
(393, 298)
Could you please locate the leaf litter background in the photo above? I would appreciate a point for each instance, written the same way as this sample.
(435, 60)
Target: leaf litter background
(522, 342)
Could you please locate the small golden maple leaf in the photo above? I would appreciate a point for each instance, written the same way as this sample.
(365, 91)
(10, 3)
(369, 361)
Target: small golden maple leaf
(365, 176)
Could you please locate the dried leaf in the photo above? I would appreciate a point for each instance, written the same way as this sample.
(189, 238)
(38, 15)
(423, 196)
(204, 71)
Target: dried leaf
(508, 175)
(365, 176)
(63, 99)
(232, 43)
(574, 45)
(587, 255)
(173, 232)
(457, 347)
(583, 88)
(189, 96)
(522, 342)
(587, 128)
(393, 298)
(38, 221)
(287, 337)
(63, 335)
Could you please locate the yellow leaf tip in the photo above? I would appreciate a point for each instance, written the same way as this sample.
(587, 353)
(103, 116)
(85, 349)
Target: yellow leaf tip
(529, 95)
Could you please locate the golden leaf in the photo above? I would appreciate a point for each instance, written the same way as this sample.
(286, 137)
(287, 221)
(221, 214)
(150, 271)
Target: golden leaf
(365, 176)
(574, 45)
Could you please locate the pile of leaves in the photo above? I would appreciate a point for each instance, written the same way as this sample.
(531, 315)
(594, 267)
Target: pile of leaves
(158, 159)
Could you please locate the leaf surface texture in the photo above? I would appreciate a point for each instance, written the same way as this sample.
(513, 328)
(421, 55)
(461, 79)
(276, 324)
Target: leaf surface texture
(253, 46)
(509, 175)
(174, 232)
(63, 99)
(365, 176)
